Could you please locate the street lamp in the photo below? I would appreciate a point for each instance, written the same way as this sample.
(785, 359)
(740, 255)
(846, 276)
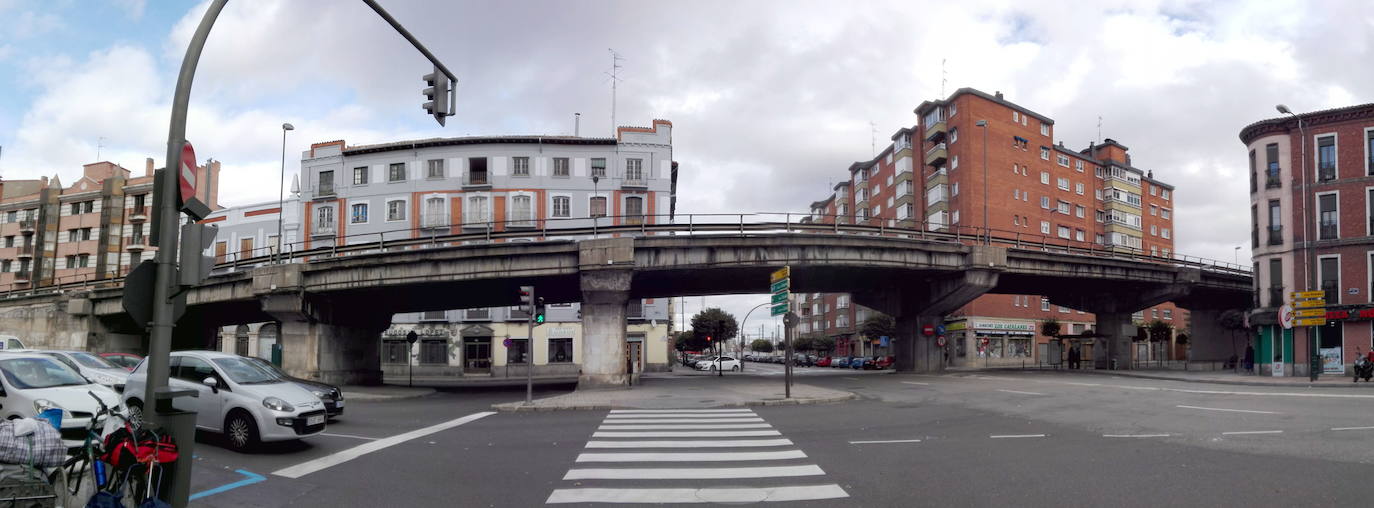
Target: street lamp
(281, 188)
(1310, 280)
(741, 332)
(596, 219)
(1236, 258)
(987, 234)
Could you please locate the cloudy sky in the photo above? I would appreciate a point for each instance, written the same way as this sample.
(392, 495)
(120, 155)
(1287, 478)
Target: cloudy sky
(771, 101)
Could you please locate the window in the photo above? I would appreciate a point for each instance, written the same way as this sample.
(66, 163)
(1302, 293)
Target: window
(1164, 213)
(433, 352)
(9, 241)
(434, 168)
(1063, 207)
(1154, 250)
(1045, 202)
(1369, 150)
(1078, 188)
(560, 170)
(634, 209)
(1078, 235)
(5, 265)
(395, 210)
(954, 135)
(1044, 153)
(1328, 221)
(1254, 186)
(396, 172)
(324, 219)
(1015, 116)
(560, 350)
(1275, 282)
(954, 218)
(1165, 233)
(83, 260)
(1064, 160)
(1099, 238)
(76, 208)
(1044, 303)
(1063, 183)
(1271, 178)
(954, 190)
(71, 261)
(599, 167)
(1044, 227)
(1097, 194)
(954, 162)
(1164, 194)
(1166, 253)
(12, 217)
(520, 166)
(521, 213)
(1045, 177)
(86, 233)
(476, 211)
(1044, 129)
(597, 207)
(842, 302)
(360, 176)
(1063, 232)
(1078, 211)
(1326, 158)
(477, 171)
(326, 183)
(562, 206)
(359, 215)
(1154, 210)
(1329, 268)
(1275, 223)
(1078, 165)
(1154, 230)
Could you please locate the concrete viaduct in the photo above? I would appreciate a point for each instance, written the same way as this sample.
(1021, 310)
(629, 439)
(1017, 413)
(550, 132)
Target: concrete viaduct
(333, 308)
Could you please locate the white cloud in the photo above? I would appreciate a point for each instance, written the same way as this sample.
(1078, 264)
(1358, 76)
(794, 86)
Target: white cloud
(133, 8)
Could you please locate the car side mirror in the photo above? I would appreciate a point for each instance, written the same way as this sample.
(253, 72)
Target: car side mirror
(212, 383)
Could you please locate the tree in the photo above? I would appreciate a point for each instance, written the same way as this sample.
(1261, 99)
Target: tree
(688, 341)
(823, 345)
(878, 325)
(715, 323)
(803, 343)
(1050, 328)
(761, 346)
(1159, 331)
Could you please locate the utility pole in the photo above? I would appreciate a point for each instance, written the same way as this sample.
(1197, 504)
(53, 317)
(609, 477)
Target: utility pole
(615, 78)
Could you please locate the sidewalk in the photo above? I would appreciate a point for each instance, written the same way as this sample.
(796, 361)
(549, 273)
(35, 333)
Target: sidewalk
(384, 392)
(685, 392)
(1230, 378)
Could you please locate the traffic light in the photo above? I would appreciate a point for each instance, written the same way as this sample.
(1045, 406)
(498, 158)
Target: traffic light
(195, 265)
(437, 94)
(526, 296)
(539, 311)
(708, 339)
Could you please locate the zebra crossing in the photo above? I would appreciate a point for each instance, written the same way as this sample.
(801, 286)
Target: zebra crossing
(647, 456)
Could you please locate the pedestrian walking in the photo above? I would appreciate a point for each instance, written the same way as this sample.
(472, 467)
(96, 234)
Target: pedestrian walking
(1074, 357)
(1250, 359)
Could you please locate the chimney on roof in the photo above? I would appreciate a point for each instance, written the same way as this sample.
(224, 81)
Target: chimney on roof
(1150, 174)
(998, 94)
(1061, 143)
(148, 167)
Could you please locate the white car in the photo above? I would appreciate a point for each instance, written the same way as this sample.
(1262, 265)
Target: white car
(718, 362)
(32, 383)
(91, 365)
(236, 398)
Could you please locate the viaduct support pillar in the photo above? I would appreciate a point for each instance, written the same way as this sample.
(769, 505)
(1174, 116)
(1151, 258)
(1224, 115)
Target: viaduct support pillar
(605, 284)
(1115, 330)
(1209, 341)
(334, 342)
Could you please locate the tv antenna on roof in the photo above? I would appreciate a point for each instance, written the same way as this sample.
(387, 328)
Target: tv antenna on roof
(943, 78)
(873, 138)
(99, 143)
(614, 74)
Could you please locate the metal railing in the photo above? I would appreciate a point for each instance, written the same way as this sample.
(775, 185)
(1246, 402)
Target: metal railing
(762, 223)
(1275, 235)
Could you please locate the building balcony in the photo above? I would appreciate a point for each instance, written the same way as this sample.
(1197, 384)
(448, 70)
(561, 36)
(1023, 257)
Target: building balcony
(139, 214)
(1276, 235)
(27, 226)
(326, 189)
(477, 179)
(23, 276)
(477, 315)
(323, 230)
(1271, 177)
(136, 244)
(937, 155)
(1276, 296)
(939, 177)
(1327, 231)
(25, 253)
(937, 131)
(634, 183)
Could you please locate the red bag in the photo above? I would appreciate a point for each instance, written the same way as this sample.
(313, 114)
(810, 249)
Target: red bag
(150, 443)
(120, 449)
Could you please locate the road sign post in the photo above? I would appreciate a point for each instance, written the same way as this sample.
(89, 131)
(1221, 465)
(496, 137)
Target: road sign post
(411, 337)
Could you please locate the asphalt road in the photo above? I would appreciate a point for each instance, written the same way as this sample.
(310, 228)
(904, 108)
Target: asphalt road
(1011, 439)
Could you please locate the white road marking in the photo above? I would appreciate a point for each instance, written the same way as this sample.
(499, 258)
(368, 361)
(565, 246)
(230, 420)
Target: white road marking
(736, 495)
(1252, 432)
(690, 433)
(915, 383)
(348, 436)
(724, 443)
(619, 421)
(1352, 428)
(1011, 436)
(689, 456)
(887, 441)
(694, 426)
(853, 378)
(692, 473)
(1230, 410)
(652, 411)
(311, 466)
(1135, 435)
(1021, 392)
(995, 378)
(1081, 384)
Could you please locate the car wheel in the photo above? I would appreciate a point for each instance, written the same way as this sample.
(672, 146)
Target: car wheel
(241, 431)
(735, 368)
(134, 414)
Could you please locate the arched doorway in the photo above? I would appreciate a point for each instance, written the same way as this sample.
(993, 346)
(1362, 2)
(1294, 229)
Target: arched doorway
(268, 343)
(241, 340)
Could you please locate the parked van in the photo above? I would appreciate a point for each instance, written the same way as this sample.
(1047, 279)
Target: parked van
(10, 342)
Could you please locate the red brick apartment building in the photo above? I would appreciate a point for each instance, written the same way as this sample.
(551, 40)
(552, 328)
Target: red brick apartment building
(932, 177)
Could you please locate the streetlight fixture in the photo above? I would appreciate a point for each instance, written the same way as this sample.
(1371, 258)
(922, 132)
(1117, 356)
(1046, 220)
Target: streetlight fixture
(1236, 258)
(596, 219)
(1310, 280)
(741, 332)
(987, 234)
(281, 189)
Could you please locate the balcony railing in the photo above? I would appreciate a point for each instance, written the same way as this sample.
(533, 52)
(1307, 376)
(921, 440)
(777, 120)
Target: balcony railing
(323, 228)
(23, 275)
(326, 189)
(1275, 235)
(1326, 171)
(1276, 296)
(937, 155)
(27, 225)
(1271, 177)
(477, 314)
(634, 181)
(138, 214)
(1327, 231)
(477, 178)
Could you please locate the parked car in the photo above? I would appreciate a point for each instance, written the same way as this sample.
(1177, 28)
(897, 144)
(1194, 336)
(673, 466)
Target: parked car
(823, 362)
(126, 360)
(840, 362)
(235, 397)
(90, 365)
(330, 395)
(719, 362)
(857, 362)
(880, 363)
(33, 383)
(10, 342)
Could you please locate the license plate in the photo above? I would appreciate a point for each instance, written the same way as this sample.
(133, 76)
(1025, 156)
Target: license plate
(314, 420)
(338, 403)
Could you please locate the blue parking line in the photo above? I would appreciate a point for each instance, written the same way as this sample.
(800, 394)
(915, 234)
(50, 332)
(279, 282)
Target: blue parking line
(251, 479)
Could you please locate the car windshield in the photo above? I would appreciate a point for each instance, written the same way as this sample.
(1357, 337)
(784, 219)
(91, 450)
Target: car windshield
(243, 371)
(27, 373)
(93, 361)
(267, 366)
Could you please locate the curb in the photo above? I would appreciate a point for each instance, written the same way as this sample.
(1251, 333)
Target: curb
(374, 396)
(1224, 381)
(518, 407)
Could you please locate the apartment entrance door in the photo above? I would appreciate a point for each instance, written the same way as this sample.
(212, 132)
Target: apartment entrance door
(476, 355)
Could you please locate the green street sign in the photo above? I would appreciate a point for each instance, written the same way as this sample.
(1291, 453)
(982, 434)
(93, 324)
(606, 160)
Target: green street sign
(780, 298)
(782, 285)
(779, 309)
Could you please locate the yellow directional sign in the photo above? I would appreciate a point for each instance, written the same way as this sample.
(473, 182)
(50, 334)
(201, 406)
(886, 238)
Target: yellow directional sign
(1321, 321)
(781, 274)
(1309, 313)
(1309, 304)
(1307, 295)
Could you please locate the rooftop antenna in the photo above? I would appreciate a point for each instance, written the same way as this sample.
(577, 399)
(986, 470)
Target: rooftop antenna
(873, 138)
(943, 78)
(577, 124)
(1099, 129)
(615, 78)
(99, 143)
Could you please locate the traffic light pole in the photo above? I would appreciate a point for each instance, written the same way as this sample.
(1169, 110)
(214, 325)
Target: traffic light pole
(529, 356)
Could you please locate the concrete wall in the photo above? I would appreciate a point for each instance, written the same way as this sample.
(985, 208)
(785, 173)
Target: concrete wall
(47, 324)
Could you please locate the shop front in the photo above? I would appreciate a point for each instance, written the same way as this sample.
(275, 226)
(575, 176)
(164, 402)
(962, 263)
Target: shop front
(991, 342)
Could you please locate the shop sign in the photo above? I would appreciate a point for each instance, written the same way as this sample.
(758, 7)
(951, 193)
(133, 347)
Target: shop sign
(1350, 314)
(956, 326)
(560, 333)
(1004, 326)
(422, 332)
(1331, 360)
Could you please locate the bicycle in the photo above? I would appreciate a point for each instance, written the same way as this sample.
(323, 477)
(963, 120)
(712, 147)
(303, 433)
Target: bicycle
(95, 448)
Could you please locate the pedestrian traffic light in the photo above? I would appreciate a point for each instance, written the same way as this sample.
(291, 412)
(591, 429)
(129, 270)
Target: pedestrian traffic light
(708, 338)
(539, 311)
(526, 297)
(437, 94)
